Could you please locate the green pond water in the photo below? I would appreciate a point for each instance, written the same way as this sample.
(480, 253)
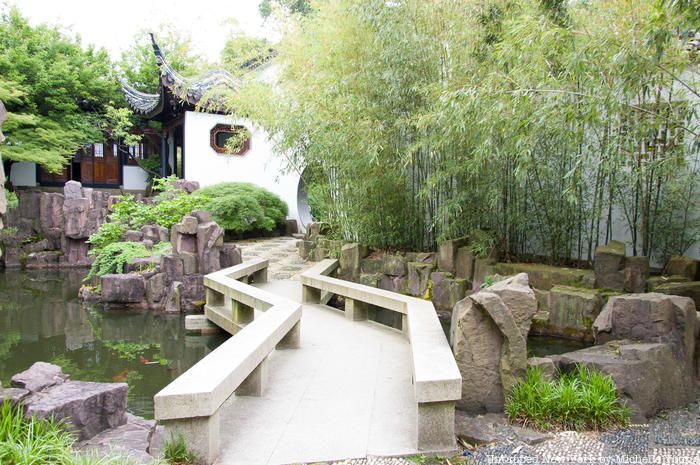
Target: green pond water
(42, 320)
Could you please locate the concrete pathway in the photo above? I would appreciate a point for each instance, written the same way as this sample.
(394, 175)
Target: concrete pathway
(345, 393)
(280, 252)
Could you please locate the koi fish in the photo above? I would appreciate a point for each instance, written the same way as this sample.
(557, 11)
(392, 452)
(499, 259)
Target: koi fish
(121, 376)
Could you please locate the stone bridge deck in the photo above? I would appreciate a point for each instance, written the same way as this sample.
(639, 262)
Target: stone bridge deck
(346, 393)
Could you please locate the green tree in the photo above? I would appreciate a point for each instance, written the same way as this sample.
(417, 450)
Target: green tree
(138, 64)
(293, 6)
(554, 126)
(242, 52)
(55, 91)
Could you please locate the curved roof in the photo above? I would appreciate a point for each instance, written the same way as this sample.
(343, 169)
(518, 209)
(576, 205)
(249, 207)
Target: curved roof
(188, 91)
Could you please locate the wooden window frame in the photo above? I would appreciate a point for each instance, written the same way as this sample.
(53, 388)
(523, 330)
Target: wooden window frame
(228, 128)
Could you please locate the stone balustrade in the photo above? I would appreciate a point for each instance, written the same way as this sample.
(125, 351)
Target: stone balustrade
(190, 404)
(436, 377)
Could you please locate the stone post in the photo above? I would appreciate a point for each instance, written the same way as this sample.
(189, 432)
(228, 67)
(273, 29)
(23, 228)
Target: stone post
(201, 433)
(436, 426)
(355, 310)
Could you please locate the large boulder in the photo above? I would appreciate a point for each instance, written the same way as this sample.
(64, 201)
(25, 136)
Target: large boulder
(648, 376)
(447, 253)
(447, 291)
(88, 408)
(123, 288)
(686, 289)
(636, 274)
(230, 255)
(572, 312)
(682, 266)
(489, 330)
(131, 441)
(350, 256)
(51, 217)
(210, 238)
(609, 266)
(419, 277)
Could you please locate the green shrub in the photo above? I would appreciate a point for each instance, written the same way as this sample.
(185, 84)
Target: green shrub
(12, 199)
(580, 400)
(167, 208)
(244, 207)
(112, 258)
(175, 451)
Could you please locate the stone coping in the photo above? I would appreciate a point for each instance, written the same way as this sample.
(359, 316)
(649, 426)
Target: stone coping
(435, 373)
(201, 390)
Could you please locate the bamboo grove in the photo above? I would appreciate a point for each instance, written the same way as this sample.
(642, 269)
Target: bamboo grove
(553, 126)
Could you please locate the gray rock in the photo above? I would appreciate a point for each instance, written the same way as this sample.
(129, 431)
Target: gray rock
(305, 249)
(51, 217)
(202, 216)
(650, 317)
(89, 408)
(546, 366)
(43, 260)
(133, 236)
(447, 253)
(189, 263)
(75, 213)
(75, 252)
(192, 294)
(464, 263)
(368, 279)
(418, 278)
(210, 238)
(182, 242)
(686, 289)
(648, 376)
(350, 256)
(173, 266)
(488, 339)
(636, 274)
(682, 266)
(123, 288)
(609, 266)
(394, 265)
(371, 265)
(131, 440)
(479, 430)
(186, 186)
(173, 299)
(137, 265)
(13, 395)
(572, 312)
(230, 255)
(156, 287)
(73, 190)
(188, 224)
(39, 376)
(446, 291)
(392, 283)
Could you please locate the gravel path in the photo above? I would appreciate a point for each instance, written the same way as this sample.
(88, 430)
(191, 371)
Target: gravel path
(671, 438)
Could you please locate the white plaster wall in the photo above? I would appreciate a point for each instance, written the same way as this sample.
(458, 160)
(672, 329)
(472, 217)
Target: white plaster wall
(135, 178)
(259, 165)
(23, 174)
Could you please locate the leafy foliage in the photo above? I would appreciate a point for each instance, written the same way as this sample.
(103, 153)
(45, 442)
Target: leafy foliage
(243, 207)
(176, 452)
(581, 400)
(556, 126)
(167, 208)
(55, 92)
(242, 52)
(112, 258)
(292, 6)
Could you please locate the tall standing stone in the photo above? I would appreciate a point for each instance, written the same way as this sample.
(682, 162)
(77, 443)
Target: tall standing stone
(3, 200)
(609, 266)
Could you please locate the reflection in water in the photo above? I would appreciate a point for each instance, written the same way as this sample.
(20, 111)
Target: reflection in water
(542, 346)
(42, 320)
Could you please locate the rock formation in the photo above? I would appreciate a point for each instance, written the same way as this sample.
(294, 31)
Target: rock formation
(489, 331)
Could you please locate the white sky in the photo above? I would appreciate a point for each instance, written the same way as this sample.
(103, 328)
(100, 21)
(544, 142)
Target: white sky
(112, 24)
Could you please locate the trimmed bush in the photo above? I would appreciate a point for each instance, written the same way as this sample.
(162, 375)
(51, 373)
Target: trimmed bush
(581, 400)
(243, 207)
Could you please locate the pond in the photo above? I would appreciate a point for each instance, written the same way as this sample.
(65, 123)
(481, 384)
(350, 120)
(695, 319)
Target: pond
(542, 346)
(41, 319)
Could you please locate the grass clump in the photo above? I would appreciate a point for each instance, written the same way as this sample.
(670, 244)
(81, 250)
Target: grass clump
(175, 451)
(580, 400)
(32, 441)
(241, 207)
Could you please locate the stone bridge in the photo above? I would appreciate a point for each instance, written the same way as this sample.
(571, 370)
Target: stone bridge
(301, 381)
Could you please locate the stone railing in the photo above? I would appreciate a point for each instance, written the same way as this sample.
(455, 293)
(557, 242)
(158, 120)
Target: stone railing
(436, 377)
(190, 404)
